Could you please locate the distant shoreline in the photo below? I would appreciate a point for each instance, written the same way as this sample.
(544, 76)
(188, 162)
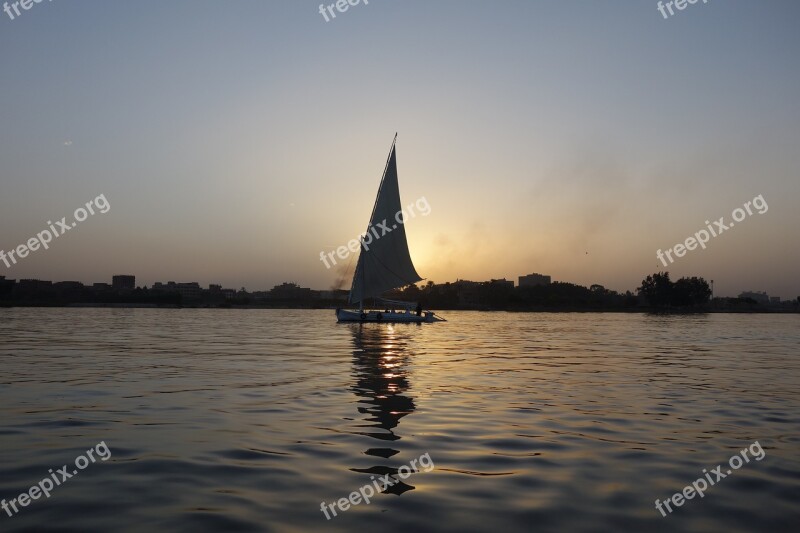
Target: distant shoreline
(645, 310)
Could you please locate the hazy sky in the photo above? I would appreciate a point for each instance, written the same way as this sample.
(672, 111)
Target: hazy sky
(237, 140)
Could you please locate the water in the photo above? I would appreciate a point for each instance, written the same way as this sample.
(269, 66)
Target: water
(246, 420)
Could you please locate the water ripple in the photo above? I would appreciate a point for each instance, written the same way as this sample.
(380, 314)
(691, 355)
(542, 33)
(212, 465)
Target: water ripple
(230, 420)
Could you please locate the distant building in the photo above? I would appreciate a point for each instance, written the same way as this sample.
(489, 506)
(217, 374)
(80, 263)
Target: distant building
(216, 294)
(760, 297)
(774, 299)
(290, 291)
(229, 294)
(260, 296)
(34, 285)
(68, 285)
(188, 291)
(101, 287)
(503, 283)
(468, 292)
(33, 288)
(123, 283)
(481, 293)
(534, 280)
(69, 289)
(6, 286)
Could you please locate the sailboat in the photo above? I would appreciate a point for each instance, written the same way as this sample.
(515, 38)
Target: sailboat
(384, 263)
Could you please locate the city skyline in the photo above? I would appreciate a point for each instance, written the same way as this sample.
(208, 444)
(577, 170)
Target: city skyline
(533, 278)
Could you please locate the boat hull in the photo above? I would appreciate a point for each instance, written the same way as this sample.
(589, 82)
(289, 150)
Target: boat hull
(343, 315)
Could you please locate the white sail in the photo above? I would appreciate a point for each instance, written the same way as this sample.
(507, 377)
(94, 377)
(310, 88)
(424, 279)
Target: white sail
(384, 262)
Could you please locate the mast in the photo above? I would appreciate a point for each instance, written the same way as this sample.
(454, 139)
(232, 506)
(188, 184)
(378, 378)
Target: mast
(361, 303)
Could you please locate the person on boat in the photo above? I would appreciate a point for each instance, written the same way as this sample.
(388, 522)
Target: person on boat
(419, 308)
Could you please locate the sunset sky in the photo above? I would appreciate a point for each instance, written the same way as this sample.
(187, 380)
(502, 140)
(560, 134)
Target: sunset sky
(235, 141)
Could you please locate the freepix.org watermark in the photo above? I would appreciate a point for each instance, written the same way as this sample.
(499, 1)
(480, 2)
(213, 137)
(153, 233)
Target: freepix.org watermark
(24, 4)
(45, 237)
(376, 232)
(700, 486)
(366, 492)
(702, 237)
(340, 5)
(56, 479)
(680, 5)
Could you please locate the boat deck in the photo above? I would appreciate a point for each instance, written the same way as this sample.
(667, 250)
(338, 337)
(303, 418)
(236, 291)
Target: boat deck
(382, 316)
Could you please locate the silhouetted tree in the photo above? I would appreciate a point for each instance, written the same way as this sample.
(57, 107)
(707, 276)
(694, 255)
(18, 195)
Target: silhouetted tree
(690, 292)
(657, 289)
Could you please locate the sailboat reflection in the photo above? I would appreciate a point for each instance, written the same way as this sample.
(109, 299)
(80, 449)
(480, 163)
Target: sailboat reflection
(380, 369)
